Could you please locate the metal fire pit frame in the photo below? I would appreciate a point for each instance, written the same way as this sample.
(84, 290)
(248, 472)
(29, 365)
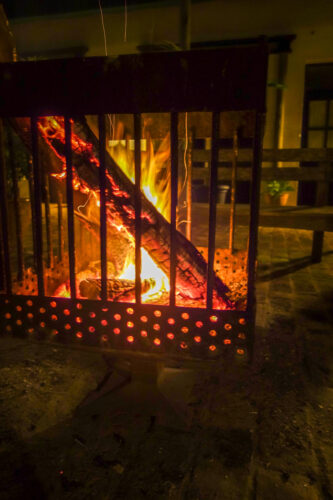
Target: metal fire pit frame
(232, 79)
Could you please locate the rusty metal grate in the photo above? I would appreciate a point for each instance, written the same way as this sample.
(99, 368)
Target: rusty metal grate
(213, 81)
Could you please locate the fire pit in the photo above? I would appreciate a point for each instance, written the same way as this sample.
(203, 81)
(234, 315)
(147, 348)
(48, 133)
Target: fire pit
(97, 253)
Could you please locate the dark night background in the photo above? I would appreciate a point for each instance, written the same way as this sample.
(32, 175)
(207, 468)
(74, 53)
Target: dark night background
(31, 8)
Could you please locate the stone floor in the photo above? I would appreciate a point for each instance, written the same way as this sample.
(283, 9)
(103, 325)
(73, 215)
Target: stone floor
(259, 431)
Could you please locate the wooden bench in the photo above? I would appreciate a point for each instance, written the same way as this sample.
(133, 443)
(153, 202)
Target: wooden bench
(318, 218)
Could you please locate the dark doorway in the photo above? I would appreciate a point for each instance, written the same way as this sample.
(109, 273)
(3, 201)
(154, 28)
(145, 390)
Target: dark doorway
(317, 130)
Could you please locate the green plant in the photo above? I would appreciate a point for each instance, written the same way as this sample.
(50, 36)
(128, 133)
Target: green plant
(277, 188)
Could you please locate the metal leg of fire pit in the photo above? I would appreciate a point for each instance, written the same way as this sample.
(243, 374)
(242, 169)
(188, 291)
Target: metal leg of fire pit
(147, 391)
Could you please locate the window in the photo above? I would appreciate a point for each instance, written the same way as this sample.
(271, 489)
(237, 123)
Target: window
(317, 129)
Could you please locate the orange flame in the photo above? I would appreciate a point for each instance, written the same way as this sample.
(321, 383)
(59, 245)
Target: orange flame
(155, 183)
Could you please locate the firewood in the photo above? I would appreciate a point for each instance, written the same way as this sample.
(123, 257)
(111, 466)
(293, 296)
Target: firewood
(117, 289)
(191, 268)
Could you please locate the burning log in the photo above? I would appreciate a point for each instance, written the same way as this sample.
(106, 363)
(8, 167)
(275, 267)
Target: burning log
(119, 290)
(115, 251)
(191, 268)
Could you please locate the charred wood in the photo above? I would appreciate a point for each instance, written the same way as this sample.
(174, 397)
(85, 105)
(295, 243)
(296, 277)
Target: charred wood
(191, 268)
(120, 290)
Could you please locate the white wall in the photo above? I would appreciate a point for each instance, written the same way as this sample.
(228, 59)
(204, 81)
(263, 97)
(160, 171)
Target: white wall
(311, 21)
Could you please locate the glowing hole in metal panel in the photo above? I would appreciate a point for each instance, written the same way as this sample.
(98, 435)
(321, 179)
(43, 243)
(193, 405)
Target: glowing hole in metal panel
(68, 326)
(144, 319)
(241, 352)
(197, 339)
(212, 333)
(54, 317)
(42, 324)
(92, 315)
(29, 303)
(130, 310)
(227, 326)
(130, 339)
(213, 319)
(183, 345)
(130, 324)
(227, 341)
(156, 327)
(67, 312)
(117, 317)
(55, 332)
(185, 315)
(171, 321)
(19, 322)
(79, 335)
(8, 328)
(78, 306)
(54, 304)
(170, 336)
(18, 308)
(242, 321)
(78, 319)
(144, 333)
(30, 315)
(105, 309)
(105, 338)
(42, 310)
(184, 329)
(212, 347)
(157, 313)
(30, 330)
(241, 336)
(116, 331)
(8, 315)
(91, 329)
(199, 324)
(157, 342)
(104, 322)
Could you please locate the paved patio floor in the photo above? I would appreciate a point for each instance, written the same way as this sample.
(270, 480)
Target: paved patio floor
(259, 431)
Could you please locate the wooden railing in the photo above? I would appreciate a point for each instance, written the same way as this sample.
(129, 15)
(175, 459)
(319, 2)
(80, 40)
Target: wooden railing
(321, 175)
(322, 172)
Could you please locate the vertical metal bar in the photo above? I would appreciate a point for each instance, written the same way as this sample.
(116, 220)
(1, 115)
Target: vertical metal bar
(32, 209)
(137, 201)
(60, 227)
(254, 212)
(4, 220)
(70, 207)
(102, 187)
(189, 187)
(233, 191)
(37, 206)
(212, 206)
(48, 221)
(174, 197)
(2, 265)
(17, 215)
